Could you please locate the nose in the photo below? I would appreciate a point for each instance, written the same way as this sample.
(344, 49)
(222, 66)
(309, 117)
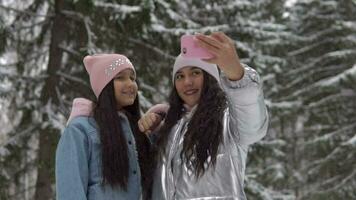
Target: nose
(188, 80)
(130, 83)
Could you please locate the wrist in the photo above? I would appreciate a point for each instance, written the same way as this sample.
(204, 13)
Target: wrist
(236, 73)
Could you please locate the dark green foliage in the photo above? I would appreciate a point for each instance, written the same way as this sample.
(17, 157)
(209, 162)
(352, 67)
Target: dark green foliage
(305, 55)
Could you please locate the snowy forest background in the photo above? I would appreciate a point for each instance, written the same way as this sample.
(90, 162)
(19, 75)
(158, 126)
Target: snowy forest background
(305, 51)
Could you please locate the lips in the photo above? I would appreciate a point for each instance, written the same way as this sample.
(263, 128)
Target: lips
(131, 94)
(190, 92)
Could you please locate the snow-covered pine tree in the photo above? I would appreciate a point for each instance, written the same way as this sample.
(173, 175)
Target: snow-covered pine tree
(321, 81)
(157, 46)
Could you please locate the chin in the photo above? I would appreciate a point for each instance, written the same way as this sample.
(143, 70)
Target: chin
(124, 104)
(191, 104)
(129, 103)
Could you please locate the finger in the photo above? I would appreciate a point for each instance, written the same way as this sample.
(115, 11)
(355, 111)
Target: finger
(209, 40)
(140, 126)
(210, 60)
(145, 124)
(222, 36)
(149, 120)
(213, 61)
(217, 37)
(155, 119)
(158, 117)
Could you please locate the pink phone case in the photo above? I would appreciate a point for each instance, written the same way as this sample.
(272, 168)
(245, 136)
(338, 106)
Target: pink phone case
(190, 49)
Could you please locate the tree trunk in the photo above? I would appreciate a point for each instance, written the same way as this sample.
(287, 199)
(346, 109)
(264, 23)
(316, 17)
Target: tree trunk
(48, 136)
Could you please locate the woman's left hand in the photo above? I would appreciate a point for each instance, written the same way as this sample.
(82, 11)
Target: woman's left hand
(224, 51)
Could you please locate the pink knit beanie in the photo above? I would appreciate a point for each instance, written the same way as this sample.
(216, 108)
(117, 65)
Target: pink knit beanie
(102, 68)
(182, 61)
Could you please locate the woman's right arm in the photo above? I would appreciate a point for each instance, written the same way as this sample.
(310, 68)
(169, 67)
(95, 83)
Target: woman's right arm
(72, 164)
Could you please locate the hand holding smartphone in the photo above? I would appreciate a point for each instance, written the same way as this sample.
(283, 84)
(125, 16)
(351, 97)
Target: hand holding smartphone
(190, 48)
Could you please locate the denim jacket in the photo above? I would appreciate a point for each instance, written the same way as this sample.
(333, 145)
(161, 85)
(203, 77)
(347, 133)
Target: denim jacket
(78, 164)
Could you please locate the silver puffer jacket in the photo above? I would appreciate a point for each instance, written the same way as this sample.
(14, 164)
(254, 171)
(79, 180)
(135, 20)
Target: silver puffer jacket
(245, 122)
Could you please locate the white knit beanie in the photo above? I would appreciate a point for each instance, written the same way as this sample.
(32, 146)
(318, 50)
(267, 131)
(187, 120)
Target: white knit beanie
(182, 61)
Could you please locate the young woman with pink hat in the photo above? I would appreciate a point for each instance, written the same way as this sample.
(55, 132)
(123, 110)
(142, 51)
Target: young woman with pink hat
(211, 120)
(101, 153)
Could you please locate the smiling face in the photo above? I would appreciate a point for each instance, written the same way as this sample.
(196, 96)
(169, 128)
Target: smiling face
(189, 84)
(125, 87)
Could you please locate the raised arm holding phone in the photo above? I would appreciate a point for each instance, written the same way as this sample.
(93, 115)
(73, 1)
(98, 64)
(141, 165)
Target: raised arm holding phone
(209, 123)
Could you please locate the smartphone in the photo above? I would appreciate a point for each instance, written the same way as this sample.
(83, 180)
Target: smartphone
(190, 49)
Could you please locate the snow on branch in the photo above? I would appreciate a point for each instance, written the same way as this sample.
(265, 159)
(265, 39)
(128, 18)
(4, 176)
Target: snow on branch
(70, 51)
(62, 105)
(337, 186)
(349, 24)
(266, 193)
(342, 76)
(267, 59)
(24, 12)
(16, 27)
(91, 36)
(173, 15)
(267, 26)
(329, 98)
(55, 119)
(331, 157)
(13, 140)
(285, 105)
(179, 31)
(153, 48)
(329, 136)
(244, 46)
(87, 22)
(72, 78)
(320, 34)
(326, 82)
(266, 29)
(125, 9)
(313, 45)
(19, 193)
(221, 27)
(6, 70)
(351, 141)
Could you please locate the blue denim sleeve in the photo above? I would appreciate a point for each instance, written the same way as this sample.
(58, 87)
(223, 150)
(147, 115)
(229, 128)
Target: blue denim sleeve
(72, 157)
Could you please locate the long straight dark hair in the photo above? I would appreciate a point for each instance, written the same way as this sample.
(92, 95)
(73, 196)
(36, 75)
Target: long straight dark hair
(205, 128)
(114, 149)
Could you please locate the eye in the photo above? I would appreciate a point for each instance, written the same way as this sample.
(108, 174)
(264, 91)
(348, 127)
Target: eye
(119, 77)
(196, 72)
(133, 78)
(179, 76)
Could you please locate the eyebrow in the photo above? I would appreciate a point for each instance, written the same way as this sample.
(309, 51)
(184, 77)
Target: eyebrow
(128, 73)
(191, 69)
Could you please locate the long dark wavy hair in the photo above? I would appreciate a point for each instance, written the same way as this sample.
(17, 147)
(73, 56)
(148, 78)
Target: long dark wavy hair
(205, 128)
(114, 149)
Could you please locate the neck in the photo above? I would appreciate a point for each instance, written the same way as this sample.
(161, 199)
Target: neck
(189, 108)
(119, 108)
